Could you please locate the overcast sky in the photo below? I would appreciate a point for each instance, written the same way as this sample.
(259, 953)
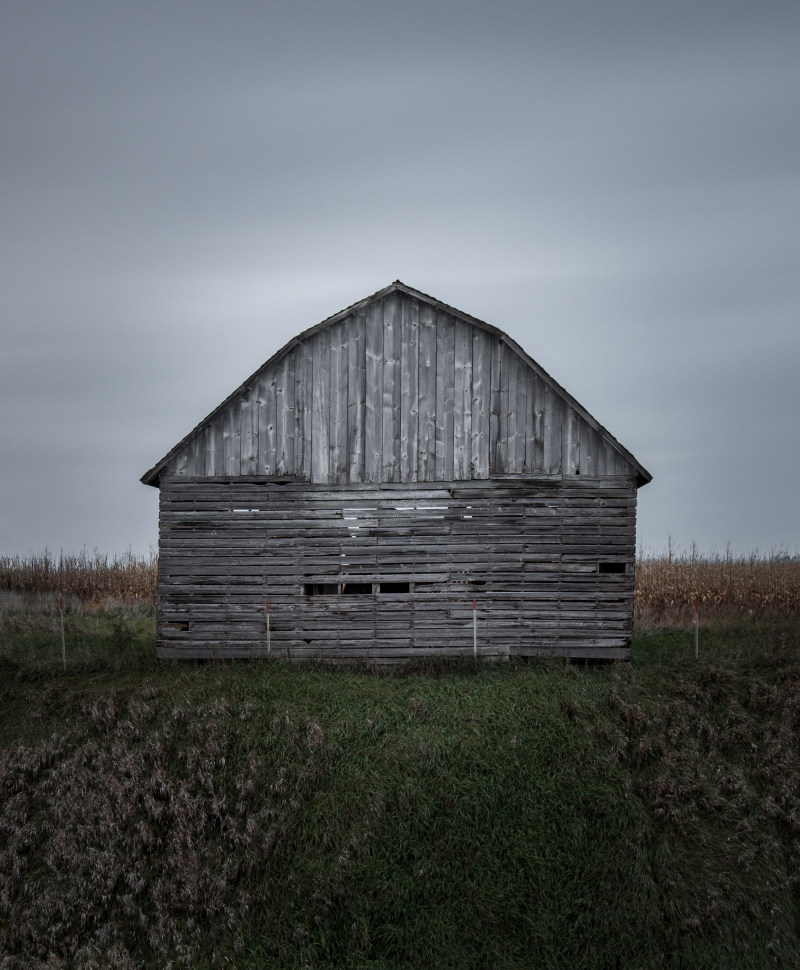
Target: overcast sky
(187, 185)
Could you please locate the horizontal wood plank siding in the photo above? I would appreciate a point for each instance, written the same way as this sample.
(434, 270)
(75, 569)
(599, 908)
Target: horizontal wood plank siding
(527, 550)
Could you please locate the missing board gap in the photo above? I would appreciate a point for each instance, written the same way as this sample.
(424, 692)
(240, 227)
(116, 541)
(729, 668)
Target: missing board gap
(320, 589)
(612, 567)
(355, 589)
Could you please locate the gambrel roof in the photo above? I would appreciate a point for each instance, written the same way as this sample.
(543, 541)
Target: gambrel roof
(399, 387)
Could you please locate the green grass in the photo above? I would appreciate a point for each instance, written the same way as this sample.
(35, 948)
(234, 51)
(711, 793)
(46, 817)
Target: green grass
(106, 640)
(457, 815)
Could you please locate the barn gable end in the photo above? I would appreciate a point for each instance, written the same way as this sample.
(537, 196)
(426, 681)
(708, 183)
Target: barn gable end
(399, 388)
(384, 479)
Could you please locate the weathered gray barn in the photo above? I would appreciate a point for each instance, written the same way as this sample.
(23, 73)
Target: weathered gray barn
(380, 473)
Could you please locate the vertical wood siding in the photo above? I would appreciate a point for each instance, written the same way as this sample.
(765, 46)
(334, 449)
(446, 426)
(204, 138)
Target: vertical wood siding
(550, 564)
(398, 391)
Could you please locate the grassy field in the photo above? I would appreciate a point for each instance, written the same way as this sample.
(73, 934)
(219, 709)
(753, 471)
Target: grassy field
(249, 815)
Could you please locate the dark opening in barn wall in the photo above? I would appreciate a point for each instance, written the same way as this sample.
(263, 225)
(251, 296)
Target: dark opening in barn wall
(608, 568)
(370, 513)
(320, 589)
(355, 589)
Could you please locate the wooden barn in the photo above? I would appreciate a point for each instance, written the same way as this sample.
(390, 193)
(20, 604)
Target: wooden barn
(400, 480)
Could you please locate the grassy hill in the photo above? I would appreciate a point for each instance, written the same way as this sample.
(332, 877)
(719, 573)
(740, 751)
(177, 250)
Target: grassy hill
(453, 815)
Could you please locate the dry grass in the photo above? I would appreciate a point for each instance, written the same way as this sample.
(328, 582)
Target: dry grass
(722, 587)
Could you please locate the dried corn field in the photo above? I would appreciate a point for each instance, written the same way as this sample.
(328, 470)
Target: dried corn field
(722, 587)
(93, 580)
(667, 587)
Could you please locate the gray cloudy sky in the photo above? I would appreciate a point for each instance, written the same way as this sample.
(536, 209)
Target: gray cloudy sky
(186, 185)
